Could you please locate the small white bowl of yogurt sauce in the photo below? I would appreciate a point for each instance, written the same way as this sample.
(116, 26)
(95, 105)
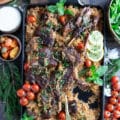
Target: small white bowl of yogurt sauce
(10, 19)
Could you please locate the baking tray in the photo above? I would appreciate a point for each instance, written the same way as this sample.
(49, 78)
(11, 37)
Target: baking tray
(86, 94)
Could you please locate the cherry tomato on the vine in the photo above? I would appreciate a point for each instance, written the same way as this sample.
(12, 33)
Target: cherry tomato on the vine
(107, 114)
(114, 79)
(27, 86)
(30, 95)
(35, 88)
(110, 107)
(20, 93)
(116, 113)
(24, 101)
(113, 100)
(114, 93)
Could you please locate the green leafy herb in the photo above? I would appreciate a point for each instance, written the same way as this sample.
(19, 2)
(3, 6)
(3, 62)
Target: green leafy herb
(59, 8)
(96, 74)
(115, 16)
(83, 72)
(27, 117)
(113, 68)
(66, 63)
(10, 82)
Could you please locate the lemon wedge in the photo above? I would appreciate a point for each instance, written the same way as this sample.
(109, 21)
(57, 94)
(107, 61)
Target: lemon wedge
(95, 57)
(95, 38)
(94, 48)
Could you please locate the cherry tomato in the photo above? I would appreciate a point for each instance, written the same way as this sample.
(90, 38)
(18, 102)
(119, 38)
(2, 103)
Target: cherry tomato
(24, 101)
(30, 95)
(31, 19)
(114, 79)
(110, 107)
(116, 114)
(27, 87)
(114, 119)
(118, 106)
(119, 99)
(88, 63)
(80, 46)
(107, 114)
(26, 66)
(20, 93)
(116, 86)
(35, 88)
(113, 100)
(61, 116)
(63, 19)
(114, 93)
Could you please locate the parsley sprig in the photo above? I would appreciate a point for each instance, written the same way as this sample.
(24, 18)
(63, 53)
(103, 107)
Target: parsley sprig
(59, 8)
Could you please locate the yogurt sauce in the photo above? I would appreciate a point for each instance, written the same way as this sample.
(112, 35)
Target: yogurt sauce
(10, 19)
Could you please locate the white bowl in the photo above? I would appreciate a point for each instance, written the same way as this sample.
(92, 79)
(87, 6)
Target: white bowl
(10, 19)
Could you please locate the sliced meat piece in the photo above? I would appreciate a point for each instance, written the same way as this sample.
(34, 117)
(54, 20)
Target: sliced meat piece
(80, 17)
(72, 55)
(46, 35)
(45, 52)
(69, 27)
(29, 76)
(46, 114)
(33, 44)
(72, 106)
(67, 76)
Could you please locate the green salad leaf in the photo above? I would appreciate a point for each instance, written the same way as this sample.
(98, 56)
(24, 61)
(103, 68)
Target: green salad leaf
(113, 68)
(115, 16)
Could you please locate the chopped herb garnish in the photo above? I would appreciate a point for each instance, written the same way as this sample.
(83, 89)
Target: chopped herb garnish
(66, 63)
(58, 74)
(57, 55)
(42, 54)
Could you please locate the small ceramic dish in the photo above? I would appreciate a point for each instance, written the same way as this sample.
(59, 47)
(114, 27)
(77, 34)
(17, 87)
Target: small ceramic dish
(10, 19)
(10, 47)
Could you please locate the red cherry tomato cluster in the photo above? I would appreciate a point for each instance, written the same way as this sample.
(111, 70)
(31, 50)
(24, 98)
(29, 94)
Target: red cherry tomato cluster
(112, 110)
(27, 93)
